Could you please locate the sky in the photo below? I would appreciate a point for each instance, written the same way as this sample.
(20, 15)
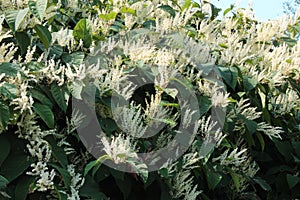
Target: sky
(263, 9)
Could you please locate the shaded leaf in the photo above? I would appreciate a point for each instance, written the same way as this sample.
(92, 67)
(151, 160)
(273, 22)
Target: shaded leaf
(15, 17)
(60, 96)
(44, 35)
(45, 113)
(23, 186)
(5, 114)
(9, 69)
(83, 31)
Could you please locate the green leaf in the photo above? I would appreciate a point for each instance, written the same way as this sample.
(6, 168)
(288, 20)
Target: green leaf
(75, 58)
(213, 179)
(44, 35)
(15, 164)
(292, 180)
(171, 92)
(228, 9)
(250, 125)
(204, 104)
(249, 83)
(9, 69)
(186, 4)
(58, 152)
(94, 163)
(15, 17)
(168, 9)
(109, 16)
(285, 149)
(235, 179)
(45, 113)
(83, 31)
(38, 95)
(4, 149)
(262, 183)
(23, 41)
(35, 66)
(9, 91)
(55, 51)
(38, 8)
(125, 186)
(3, 182)
(61, 96)
(5, 114)
(23, 186)
(164, 172)
(91, 189)
(261, 140)
(128, 10)
(296, 147)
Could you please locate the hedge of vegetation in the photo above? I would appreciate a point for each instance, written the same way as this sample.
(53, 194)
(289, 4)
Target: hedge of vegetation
(244, 75)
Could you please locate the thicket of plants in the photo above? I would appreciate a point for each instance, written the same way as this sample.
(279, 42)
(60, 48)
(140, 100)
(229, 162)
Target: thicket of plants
(244, 75)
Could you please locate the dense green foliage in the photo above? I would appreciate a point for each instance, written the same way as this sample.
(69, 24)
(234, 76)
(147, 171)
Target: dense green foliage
(44, 45)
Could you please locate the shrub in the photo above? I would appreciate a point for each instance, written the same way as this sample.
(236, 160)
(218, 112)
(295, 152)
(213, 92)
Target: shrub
(84, 85)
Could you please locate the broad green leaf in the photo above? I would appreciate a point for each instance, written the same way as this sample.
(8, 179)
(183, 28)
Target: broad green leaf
(45, 113)
(56, 51)
(15, 164)
(296, 147)
(83, 31)
(249, 83)
(125, 186)
(38, 95)
(261, 140)
(128, 10)
(250, 125)
(9, 91)
(186, 4)
(58, 152)
(75, 58)
(5, 114)
(38, 8)
(22, 188)
(91, 189)
(213, 179)
(4, 149)
(35, 66)
(60, 95)
(263, 184)
(206, 148)
(15, 17)
(235, 179)
(168, 9)
(292, 180)
(229, 75)
(204, 104)
(23, 41)
(3, 182)
(285, 148)
(44, 35)
(109, 16)
(9, 69)
(164, 172)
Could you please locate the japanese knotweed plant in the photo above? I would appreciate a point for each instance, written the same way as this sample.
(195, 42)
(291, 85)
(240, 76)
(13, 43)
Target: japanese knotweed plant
(87, 87)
